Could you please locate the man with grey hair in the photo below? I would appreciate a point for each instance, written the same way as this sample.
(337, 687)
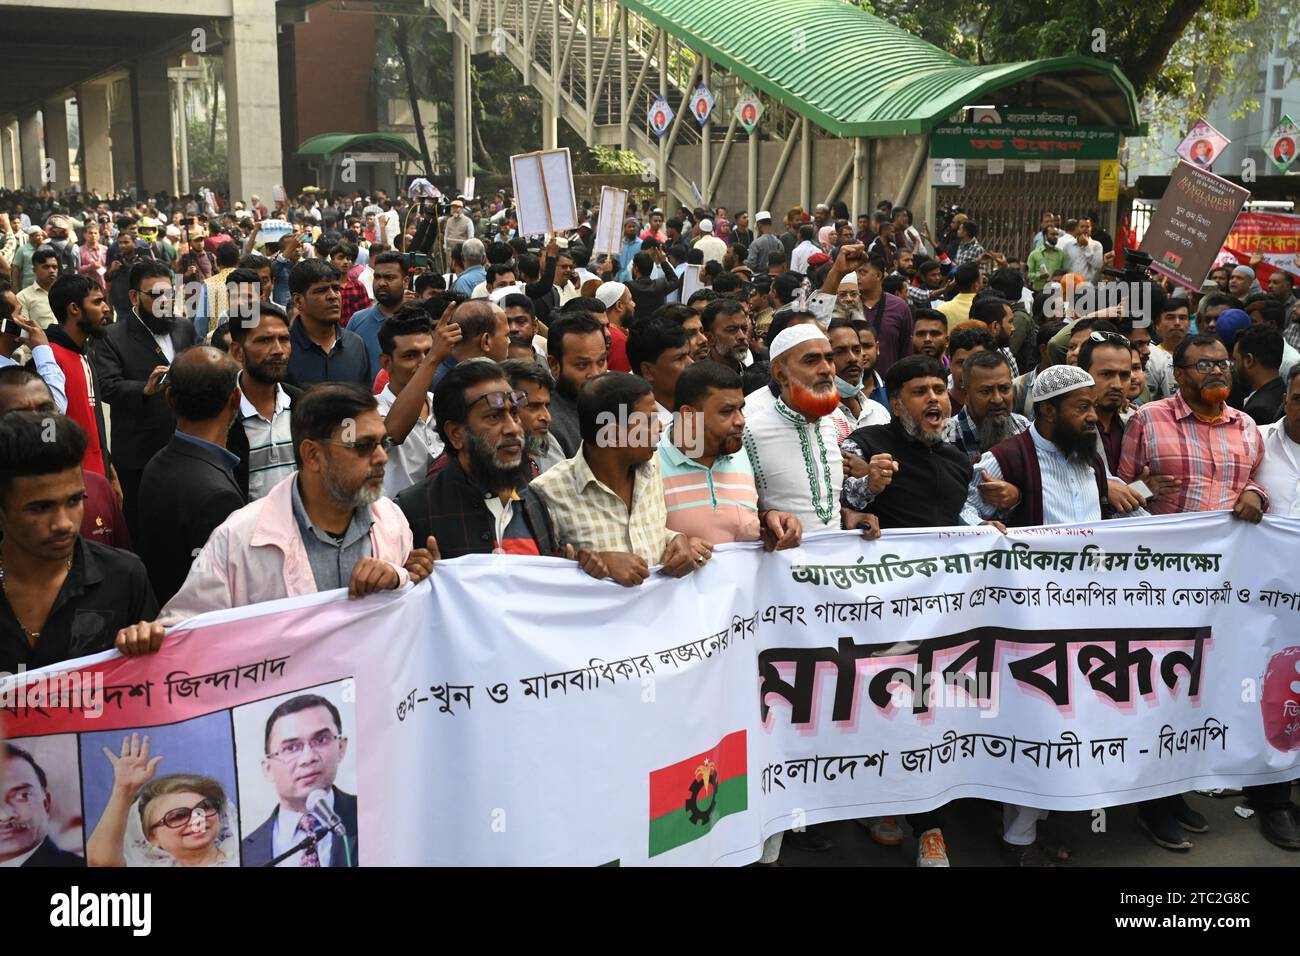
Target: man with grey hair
(1242, 283)
(473, 252)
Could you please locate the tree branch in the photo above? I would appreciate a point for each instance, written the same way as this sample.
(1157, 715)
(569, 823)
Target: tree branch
(1143, 67)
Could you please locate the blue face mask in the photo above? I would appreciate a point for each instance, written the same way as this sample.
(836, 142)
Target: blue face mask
(846, 390)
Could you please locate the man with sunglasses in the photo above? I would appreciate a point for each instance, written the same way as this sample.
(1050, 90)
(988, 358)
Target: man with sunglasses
(304, 746)
(1213, 451)
(327, 526)
(132, 357)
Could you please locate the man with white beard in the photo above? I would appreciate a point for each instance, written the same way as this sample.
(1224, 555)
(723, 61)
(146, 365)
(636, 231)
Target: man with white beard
(986, 418)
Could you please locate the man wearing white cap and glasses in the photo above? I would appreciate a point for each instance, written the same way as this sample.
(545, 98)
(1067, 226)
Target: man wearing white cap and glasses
(764, 244)
(793, 443)
(711, 247)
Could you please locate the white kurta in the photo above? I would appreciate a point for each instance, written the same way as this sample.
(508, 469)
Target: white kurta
(797, 465)
(1280, 471)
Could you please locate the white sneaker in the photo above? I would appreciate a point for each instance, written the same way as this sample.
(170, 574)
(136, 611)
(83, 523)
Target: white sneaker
(932, 851)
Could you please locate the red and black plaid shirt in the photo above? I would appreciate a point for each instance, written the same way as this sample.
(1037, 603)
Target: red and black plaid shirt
(355, 298)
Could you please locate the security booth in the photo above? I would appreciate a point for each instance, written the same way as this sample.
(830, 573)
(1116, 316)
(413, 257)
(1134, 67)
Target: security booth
(350, 162)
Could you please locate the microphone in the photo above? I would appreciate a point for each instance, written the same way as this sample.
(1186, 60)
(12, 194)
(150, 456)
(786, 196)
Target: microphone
(318, 806)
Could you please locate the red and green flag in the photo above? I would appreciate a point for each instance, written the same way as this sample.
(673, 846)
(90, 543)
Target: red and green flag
(689, 797)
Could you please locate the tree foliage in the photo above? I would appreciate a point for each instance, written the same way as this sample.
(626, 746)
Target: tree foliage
(1180, 55)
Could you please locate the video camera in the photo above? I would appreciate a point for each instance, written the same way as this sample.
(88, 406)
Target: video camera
(1137, 267)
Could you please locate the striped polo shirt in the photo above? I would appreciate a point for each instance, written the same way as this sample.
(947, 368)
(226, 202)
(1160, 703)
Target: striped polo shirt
(718, 504)
(270, 444)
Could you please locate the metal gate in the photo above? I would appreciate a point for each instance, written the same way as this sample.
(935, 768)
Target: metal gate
(1009, 207)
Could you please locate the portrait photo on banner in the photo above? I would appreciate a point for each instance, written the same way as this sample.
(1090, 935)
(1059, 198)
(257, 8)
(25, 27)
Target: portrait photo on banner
(161, 796)
(298, 773)
(40, 803)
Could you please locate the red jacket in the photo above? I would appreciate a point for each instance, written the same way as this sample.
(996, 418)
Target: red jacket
(80, 389)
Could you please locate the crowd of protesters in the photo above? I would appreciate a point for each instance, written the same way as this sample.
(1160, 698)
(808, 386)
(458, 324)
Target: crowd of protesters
(199, 411)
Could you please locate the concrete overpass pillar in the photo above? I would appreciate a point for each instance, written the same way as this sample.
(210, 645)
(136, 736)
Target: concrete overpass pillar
(29, 147)
(54, 116)
(121, 131)
(151, 113)
(253, 101)
(461, 109)
(8, 155)
(96, 148)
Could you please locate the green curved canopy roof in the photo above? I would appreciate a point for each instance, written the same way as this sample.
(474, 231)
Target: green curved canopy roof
(854, 74)
(328, 145)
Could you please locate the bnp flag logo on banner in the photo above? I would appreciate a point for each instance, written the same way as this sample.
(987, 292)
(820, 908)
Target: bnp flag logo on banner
(660, 115)
(688, 798)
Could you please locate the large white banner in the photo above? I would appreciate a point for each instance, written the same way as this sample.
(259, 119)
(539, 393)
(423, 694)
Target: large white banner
(513, 711)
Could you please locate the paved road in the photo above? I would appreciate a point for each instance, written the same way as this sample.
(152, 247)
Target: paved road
(974, 829)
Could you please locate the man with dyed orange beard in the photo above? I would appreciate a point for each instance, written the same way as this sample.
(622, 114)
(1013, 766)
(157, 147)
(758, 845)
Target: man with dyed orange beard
(793, 443)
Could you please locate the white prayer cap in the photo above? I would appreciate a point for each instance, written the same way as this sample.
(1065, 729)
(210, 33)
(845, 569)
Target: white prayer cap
(850, 281)
(1059, 379)
(763, 216)
(611, 293)
(793, 335)
(706, 225)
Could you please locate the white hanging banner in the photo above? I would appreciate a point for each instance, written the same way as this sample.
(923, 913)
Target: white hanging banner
(682, 721)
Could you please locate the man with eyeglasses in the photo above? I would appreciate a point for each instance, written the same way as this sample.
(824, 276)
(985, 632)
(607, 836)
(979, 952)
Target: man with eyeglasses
(133, 356)
(327, 526)
(304, 746)
(1213, 452)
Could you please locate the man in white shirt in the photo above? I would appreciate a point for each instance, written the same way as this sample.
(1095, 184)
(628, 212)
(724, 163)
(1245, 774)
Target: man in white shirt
(711, 247)
(1280, 471)
(390, 224)
(405, 341)
(1083, 253)
(801, 253)
(793, 444)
